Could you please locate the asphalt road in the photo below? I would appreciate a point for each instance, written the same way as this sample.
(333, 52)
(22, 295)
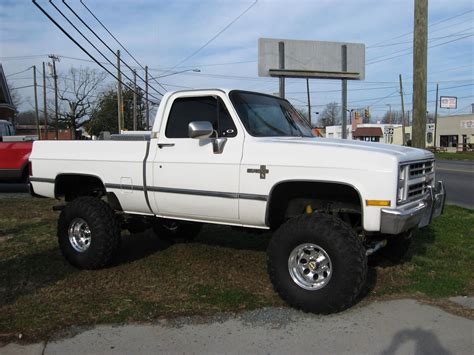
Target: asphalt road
(458, 177)
(388, 328)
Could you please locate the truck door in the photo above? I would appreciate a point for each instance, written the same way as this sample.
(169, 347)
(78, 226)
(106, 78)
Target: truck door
(190, 180)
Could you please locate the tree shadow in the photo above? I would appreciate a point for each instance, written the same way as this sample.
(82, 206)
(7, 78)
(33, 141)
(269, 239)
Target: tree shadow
(426, 342)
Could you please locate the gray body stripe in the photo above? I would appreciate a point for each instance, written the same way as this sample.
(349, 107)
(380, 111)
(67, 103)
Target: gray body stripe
(124, 187)
(232, 195)
(38, 179)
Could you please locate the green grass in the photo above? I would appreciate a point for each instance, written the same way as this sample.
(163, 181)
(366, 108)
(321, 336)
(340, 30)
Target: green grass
(223, 271)
(455, 156)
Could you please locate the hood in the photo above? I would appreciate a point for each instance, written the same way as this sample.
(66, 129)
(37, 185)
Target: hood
(330, 153)
(401, 153)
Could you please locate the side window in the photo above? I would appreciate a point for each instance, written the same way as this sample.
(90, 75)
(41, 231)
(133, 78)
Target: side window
(3, 131)
(207, 108)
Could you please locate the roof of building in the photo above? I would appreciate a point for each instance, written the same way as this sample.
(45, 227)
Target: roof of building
(368, 132)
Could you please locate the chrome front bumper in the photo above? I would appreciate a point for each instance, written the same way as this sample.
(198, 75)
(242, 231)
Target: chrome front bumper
(420, 214)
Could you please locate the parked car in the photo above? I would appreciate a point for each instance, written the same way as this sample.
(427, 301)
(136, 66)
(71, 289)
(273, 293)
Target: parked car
(249, 160)
(14, 154)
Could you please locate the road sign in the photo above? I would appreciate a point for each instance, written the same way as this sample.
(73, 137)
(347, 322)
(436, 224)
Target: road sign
(448, 102)
(314, 59)
(388, 130)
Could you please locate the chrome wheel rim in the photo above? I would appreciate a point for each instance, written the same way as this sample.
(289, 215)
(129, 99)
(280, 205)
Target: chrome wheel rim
(79, 235)
(310, 266)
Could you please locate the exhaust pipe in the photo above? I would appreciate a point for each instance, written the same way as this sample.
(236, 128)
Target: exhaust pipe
(377, 246)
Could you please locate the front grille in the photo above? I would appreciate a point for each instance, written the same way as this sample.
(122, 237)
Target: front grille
(414, 180)
(420, 169)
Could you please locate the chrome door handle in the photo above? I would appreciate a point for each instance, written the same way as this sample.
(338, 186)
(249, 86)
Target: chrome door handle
(162, 145)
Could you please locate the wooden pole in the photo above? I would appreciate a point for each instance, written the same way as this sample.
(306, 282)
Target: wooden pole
(56, 105)
(403, 110)
(436, 115)
(119, 95)
(45, 106)
(134, 100)
(147, 103)
(309, 102)
(35, 84)
(420, 58)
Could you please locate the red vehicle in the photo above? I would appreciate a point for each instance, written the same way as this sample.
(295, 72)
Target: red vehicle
(14, 154)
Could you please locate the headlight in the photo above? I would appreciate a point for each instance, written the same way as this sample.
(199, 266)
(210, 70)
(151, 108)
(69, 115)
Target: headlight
(402, 183)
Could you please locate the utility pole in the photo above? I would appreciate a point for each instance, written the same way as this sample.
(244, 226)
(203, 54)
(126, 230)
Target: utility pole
(147, 104)
(309, 102)
(45, 107)
(436, 115)
(344, 93)
(281, 62)
(389, 113)
(420, 54)
(54, 58)
(119, 95)
(134, 100)
(35, 84)
(403, 109)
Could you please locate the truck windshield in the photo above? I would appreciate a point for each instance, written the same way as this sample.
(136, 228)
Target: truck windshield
(269, 116)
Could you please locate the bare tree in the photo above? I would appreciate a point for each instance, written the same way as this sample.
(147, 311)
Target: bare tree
(15, 95)
(77, 93)
(331, 115)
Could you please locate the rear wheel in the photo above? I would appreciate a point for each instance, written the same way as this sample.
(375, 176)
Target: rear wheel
(176, 230)
(316, 263)
(88, 233)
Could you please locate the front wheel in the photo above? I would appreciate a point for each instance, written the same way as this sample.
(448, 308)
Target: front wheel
(316, 263)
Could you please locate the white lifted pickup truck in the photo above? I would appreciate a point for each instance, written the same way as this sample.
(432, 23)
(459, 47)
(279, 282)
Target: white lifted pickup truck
(249, 160)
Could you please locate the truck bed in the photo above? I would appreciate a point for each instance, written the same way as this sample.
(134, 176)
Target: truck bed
(116, 163)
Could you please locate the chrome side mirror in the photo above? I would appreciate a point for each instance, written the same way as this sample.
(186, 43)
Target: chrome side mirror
(200, 129)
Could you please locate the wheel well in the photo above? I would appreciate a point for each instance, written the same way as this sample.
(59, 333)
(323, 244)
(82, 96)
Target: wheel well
(71, 186)
(289, 199)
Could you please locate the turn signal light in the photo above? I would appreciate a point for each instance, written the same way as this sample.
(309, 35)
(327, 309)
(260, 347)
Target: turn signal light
(379, 203)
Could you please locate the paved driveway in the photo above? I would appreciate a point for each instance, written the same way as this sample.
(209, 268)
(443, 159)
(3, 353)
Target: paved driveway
(393, 327)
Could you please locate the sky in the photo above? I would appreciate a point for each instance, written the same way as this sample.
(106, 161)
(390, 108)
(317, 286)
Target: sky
(161, 34)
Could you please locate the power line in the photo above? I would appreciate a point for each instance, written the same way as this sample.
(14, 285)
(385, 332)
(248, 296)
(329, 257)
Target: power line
(116, 40)
(216, 35)
(411, 49)
(9, 75)
(88, 41)
(433, 24)
(457, 34)
(77, 43)
(105, 44)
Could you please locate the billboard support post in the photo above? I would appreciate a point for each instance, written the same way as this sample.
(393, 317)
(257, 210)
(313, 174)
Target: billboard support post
(344, 93)
(281, 60)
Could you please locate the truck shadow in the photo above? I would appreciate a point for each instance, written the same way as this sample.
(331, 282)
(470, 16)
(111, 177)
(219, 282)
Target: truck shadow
(235, 238)
(26, 274)
(138, 246)
(420, 241)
